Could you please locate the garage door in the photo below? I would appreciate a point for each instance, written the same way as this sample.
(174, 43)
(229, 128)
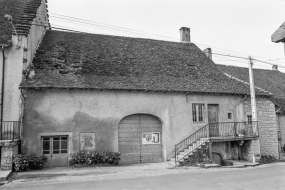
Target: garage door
(140, 139)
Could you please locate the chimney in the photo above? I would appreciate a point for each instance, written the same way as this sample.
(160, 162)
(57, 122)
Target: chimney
(185, 34)
(208, 52)
(275, 67)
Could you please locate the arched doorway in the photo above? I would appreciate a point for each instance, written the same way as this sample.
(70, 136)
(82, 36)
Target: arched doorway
(217, 158)
(140, 139)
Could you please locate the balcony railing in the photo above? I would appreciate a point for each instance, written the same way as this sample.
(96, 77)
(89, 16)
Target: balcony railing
(223, 131)
(10, 130)
(233, 130)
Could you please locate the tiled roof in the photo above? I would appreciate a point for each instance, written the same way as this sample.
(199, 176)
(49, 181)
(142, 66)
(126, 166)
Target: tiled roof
(279, 34)
(22, 12)
(270, 80)
(76, 60)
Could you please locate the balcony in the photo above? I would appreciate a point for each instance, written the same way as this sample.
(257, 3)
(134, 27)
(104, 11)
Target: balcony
(200, 141)
(233, 131)
(10, 130)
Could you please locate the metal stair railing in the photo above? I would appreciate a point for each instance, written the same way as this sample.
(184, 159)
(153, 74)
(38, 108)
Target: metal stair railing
(218, 131)
(201, 133)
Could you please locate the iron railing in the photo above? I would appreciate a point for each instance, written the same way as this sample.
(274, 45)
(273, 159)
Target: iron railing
(218, 131)
(233, 130)
(201, 133)
(10, 130)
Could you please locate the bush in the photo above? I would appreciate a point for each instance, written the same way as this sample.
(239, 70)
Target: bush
(94, 157)
(266, 159)
(25, 162)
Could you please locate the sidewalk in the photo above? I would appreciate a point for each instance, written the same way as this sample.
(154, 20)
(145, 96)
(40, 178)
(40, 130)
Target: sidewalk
(67, 174)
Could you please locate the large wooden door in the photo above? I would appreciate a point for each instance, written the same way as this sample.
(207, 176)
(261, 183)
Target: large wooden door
(56, 149)
(140, 139)
(213, 117)
(129, 139)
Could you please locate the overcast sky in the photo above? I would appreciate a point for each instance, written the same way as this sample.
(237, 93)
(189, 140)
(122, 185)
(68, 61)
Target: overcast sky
(243, 26)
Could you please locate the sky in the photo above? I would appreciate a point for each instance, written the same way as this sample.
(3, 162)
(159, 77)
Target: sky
(232, 27)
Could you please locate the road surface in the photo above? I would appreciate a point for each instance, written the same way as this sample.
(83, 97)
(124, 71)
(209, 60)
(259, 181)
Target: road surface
(267, 177)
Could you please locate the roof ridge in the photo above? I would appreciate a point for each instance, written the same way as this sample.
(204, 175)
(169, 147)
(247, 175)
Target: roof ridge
(248, 83)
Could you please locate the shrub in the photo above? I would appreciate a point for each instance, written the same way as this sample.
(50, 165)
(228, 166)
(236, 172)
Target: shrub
(94, 157)
(25, 162)
(266, 159)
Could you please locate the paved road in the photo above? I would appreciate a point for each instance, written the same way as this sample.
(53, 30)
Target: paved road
(261, 177)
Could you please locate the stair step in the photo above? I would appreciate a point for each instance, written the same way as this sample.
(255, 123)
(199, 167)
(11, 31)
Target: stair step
(187, 151)
(182, 153)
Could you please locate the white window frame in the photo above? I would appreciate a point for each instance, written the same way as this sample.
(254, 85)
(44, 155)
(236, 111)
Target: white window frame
(196, 113)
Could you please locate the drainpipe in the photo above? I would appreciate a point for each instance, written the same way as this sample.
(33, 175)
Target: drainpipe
(2, 93)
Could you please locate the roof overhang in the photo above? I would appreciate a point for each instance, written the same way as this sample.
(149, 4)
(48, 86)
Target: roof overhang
(279, 34)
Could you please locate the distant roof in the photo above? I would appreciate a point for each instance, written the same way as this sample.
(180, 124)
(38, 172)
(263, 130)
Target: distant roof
(22, 12)
(77, 60)
(270, 80)
(279, 34)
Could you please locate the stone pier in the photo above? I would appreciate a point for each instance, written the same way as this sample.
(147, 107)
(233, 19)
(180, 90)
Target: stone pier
(9, 149)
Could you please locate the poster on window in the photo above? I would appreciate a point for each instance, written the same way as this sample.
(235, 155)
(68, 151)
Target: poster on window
(150, 138)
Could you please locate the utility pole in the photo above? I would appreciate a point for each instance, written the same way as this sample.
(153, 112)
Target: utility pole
(252, 92)
(253, 108)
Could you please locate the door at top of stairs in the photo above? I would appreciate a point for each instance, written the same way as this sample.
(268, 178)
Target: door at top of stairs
(213, 117)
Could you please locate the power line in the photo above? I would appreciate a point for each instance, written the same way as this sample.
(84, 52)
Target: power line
(219, 54)
(108, 28)
(108, 25)
(268, 63)
(127, 30)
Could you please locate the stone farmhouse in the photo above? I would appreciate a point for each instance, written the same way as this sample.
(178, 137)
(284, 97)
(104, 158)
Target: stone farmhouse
(151, 100)
(273, 82)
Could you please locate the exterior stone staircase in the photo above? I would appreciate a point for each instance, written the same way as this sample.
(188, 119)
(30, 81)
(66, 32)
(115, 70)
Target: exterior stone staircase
(197, 147)
(195, 152)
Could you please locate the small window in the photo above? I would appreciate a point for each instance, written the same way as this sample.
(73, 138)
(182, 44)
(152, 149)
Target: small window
(230, 115)
(249, 118)
(198, 112)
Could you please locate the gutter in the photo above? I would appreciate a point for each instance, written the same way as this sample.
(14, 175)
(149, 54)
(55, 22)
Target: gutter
(2, 90)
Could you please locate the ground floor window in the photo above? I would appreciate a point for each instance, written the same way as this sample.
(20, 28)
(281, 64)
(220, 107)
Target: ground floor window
(54, 145)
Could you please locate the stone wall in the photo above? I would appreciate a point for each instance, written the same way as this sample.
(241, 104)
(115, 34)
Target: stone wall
(267, 125)
(8, 150)
(282, 136)
(227, 150)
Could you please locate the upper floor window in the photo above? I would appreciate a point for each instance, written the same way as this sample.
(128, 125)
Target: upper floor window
(230, 115)
(198, 112)
(249, 118)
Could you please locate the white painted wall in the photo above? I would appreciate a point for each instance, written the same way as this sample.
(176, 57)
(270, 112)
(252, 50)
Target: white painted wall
(58, 111)
(14, 65)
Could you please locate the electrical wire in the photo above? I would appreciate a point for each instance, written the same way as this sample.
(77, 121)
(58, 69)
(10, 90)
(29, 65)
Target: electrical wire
(107, 25)
(75, 20)
(219, 54)
(127, 30)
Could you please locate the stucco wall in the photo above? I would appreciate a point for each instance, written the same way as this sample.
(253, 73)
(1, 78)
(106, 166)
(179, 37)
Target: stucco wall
(101, 111)
(16, 60)
(13, 78)
(267, 126)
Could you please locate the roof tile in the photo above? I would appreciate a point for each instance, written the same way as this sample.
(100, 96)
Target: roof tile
(22, 12)
(77, 60)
